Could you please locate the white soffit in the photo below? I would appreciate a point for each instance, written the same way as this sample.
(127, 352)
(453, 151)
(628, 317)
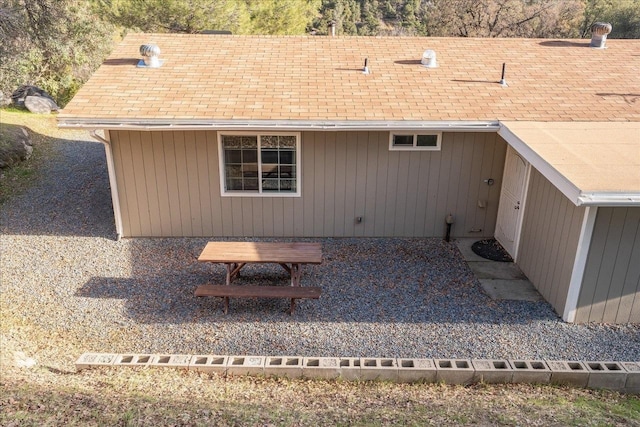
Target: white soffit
(592, 163)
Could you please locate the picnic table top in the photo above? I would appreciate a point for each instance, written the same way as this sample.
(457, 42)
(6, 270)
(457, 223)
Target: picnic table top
(277, 252)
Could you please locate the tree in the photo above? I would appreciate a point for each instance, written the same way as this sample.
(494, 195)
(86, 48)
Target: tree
(282, 16)
(54, 44)
(194, 16)
(176, 16)
(344, 13)
(370, 18)
(503, 18)
(623, 15)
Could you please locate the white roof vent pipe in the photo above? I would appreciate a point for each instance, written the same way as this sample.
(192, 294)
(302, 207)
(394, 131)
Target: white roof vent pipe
(599, 32)
(150, 53)
(429, 59)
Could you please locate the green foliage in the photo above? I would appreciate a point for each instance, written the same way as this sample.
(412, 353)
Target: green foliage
(282, 16)
(623, 15)
(54, 44)
(176, 16)
(194, 16)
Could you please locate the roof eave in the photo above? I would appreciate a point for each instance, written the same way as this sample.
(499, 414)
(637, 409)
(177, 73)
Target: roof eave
(608, 199)
(299, 125)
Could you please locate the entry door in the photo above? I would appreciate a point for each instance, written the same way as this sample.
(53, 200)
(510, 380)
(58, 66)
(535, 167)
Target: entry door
(510, 209)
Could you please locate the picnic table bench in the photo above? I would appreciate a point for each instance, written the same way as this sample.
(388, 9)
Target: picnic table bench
(236, 255)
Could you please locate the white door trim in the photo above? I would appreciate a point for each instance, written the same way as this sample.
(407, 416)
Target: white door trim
(523, 201)
(523, 207)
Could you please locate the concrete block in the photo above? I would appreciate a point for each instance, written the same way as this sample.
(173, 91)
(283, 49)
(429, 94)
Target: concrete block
(321, 367)
(133, 360)
(530, 371)
(416, 370)
(633, 377)
(609, 375)
(283, 366)
(171, 360)
(378, 369)
(564, 372)
(454, 371)
(88, 360)
(209, 363)
(350, 368)
(491, 371)
(245, 365)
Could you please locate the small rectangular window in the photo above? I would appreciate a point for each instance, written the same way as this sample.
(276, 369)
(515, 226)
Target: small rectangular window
(260, 164)
(415, 141)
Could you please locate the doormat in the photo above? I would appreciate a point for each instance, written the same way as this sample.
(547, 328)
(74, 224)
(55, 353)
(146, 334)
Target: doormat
(491, 249)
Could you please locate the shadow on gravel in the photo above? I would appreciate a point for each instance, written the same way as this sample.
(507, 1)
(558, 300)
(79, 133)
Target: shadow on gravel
(362, 280)
(71, 198)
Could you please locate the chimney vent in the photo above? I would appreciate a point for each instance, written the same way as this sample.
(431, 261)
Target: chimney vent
(150, 53)
(599, 31)
(429, 59)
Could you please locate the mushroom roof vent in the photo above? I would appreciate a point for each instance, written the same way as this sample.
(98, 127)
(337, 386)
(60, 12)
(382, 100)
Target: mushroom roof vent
(429, 59)
(150, 53)
(599, 32)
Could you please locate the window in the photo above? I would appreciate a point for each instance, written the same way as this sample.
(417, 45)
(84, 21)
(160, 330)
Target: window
(413, 141)
(260, 164)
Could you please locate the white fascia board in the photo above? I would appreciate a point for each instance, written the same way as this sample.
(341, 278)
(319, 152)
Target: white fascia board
(565, 186)
(609, 199)
(290, 125)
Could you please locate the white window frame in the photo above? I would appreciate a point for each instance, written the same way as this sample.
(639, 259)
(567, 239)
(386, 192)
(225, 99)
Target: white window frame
(415, 147)
(259, 193)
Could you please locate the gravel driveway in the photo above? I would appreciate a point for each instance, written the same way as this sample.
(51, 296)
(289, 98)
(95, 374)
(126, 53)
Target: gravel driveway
(62, 271)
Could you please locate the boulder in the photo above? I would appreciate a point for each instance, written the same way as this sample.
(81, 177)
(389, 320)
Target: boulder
(40, 104)
(19, 95)
(15, 145)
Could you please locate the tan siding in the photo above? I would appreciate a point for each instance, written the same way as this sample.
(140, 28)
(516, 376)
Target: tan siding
(171, 182)
(329, 176)
(170, 186)
(380, 175)
(318, 185)
(367, 228)
(611, 284)
(549, 240)
(183, 195)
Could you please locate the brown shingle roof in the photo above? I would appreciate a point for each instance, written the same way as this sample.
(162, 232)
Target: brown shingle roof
(240, 78)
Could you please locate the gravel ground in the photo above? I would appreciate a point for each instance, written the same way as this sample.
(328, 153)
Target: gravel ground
(63, 275)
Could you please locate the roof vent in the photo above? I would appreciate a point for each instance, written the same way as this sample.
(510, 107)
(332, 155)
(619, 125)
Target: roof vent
(429, 59)
(150, 53)
(599, 31)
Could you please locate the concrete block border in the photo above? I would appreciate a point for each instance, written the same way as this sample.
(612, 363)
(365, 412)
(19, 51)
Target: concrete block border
(530, 371)
(612, 375)
(454, 371)
(491, 371)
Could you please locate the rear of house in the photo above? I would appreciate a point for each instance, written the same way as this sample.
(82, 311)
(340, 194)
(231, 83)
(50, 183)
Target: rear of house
(293, 137)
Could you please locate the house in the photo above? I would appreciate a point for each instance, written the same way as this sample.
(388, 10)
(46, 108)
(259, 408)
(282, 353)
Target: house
(535, 142)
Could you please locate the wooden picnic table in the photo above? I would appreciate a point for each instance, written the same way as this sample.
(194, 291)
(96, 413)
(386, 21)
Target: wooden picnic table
(235, 255)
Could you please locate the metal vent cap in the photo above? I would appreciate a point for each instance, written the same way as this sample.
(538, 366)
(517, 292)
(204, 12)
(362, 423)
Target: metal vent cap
(599, 32)
(150, 53)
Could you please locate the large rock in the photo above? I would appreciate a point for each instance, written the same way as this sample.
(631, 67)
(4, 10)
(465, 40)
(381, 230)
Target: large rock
(20, 95)
(40, 105)
(15, 145)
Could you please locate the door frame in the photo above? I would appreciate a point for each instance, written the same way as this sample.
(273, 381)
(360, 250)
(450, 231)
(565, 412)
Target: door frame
(523, 202)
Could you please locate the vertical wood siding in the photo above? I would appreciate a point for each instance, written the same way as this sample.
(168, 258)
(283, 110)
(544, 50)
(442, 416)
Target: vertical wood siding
(549, 240)
(169, 185)
(610, 289)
